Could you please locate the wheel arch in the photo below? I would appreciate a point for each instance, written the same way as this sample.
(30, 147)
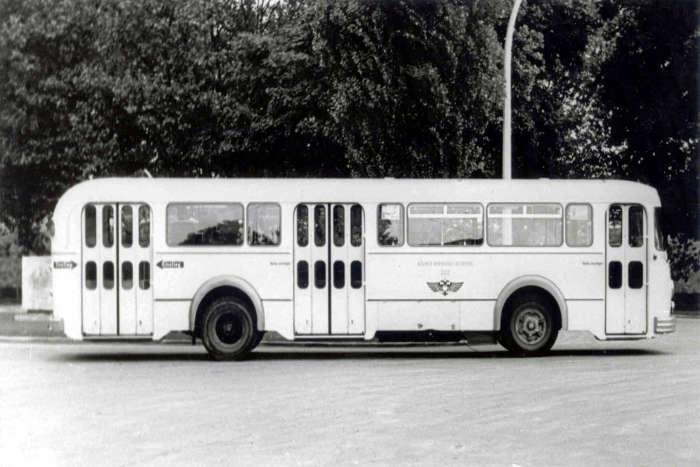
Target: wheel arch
(221, 286)
(543, 285)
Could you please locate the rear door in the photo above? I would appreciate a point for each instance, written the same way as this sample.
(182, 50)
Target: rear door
(626, 252)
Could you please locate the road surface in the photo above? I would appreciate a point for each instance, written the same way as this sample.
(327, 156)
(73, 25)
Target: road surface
(589, 402)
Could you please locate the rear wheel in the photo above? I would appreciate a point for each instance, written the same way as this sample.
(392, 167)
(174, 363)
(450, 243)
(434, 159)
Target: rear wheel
(528, 326)
(228, 329)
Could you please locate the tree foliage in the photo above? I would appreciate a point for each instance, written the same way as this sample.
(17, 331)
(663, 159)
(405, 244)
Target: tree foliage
(404, 88)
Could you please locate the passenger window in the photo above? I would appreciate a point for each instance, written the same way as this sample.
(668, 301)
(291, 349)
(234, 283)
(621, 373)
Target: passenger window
(90, 226)
(144, 275)
(636, 226)
(659, 240)
(127, 222)
(516, 224)
(302, 225)
(635, 274)
(320, 274)
(264, 224)
(390, 224)
(127, 275)
(302, 274)
(457, 224)
(356, 274)
(90, 275)
(319, 225)
(108, 275)
(144, 226)
(615, 274)
(338, 225)
(205, 224)
(579, 225)
(356, 225)
(107, 226)
(338, 274)
(615, 226)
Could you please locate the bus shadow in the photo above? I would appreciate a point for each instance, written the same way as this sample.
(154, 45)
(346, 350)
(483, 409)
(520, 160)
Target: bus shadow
(355, 354)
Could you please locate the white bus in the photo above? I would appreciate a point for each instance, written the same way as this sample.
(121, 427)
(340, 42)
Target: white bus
(226, 260)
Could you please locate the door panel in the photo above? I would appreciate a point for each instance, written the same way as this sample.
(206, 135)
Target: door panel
(328, 239)
(626, 253)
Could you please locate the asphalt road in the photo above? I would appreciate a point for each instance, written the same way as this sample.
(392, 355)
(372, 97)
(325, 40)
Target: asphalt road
(589, 402)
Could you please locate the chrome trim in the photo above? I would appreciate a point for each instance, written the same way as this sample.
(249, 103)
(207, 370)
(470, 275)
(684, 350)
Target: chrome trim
(665, 326)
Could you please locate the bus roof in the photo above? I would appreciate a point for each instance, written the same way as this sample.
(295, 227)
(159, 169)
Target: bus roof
(165, 190)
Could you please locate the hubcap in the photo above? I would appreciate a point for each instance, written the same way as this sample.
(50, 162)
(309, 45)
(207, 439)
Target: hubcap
(531, 326)
(229, 328)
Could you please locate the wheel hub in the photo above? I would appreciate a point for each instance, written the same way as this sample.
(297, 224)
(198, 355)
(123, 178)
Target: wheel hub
(530, 326)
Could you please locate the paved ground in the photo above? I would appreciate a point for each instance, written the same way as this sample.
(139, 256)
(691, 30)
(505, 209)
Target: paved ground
(589, 402)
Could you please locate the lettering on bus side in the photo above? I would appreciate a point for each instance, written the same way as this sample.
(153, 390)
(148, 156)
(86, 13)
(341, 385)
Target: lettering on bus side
(170, 264)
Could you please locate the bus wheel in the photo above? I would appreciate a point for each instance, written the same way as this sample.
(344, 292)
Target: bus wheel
(256, 339)
(228, 330)
(528, 327)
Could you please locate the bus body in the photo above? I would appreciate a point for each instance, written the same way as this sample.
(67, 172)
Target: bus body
(138, 258)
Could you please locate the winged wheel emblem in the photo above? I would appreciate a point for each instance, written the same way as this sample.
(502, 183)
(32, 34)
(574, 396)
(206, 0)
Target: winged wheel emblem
(445, 286)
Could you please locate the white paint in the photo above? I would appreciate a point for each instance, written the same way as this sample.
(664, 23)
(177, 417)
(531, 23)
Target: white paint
(36, 283)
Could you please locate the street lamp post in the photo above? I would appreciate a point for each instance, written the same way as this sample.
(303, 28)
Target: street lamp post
(506, 106)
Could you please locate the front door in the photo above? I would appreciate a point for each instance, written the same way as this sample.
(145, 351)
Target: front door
(117, 296)
(329, 255)
(625, 300)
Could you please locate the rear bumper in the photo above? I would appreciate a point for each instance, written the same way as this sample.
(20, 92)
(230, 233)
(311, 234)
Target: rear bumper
(665, 326)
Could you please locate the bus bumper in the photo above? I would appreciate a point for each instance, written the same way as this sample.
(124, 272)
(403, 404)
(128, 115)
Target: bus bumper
(665, 326)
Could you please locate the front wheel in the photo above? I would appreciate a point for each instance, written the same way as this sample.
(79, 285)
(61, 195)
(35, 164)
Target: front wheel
(528, 327)
(228, 330)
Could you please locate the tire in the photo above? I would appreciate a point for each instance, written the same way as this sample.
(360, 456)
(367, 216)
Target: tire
(228, 329)
(528, 326)
(256, 339)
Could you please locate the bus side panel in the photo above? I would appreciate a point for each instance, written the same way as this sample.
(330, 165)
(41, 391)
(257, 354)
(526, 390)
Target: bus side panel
(66, 278)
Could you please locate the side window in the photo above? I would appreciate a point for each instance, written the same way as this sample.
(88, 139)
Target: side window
(204, 224)
(144, 275)
(390, 224)
(338, 225)
(90, 226)
(636, 226)
(144, 226)
(127, 221)
(579, 225)
(264, 224)
(615, 226)
(356, 225)
(319, 225)
(659, 240)
(107, 226)
(302, 225)
(90, 275)
(127, 275)
(516, 224)
(456, 224)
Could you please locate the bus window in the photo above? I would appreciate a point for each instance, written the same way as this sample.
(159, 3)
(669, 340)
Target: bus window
(320, 274)
(127, 275)
(90, 225)
(339, 274)
(635, 274)
(579, 225)
(107, 226)
(264, 224)
(659, 241)
(356, 225)
(525, 224)
(127, 226)
(338, 225)
(457, 224)
(91, 275)
(302, 274)
(390, 224)
(144, 226)
(144, 275)
(615, 226)
(205, 224)
(615, 274)
(108, 275)
(319, 225)
(356, 274)
(302, 225)
(636, 226)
